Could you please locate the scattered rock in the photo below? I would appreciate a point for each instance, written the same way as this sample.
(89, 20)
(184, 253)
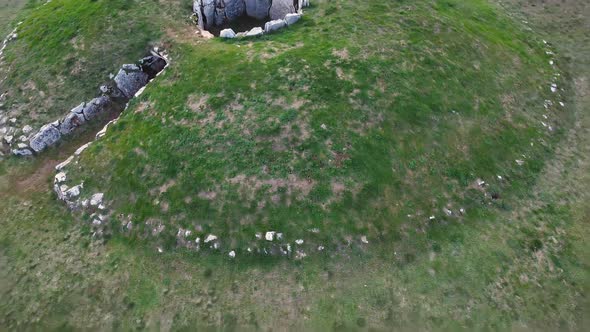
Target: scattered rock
(210, 238)
(232, 254)
(27, 129)
(60, 177)
(73, 192)
(63, 164)
(364, 239)
(8, 139)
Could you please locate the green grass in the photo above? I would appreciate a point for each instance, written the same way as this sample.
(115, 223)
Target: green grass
(413, 117)
(427, 98)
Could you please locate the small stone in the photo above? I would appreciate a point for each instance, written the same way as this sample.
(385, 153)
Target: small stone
(22, 138)
(60, 177)
(8, 139)
(22, 152)
(73, 192)
(324, 127)
(96, 199)
(299, 241)
(364, 239)
(269, 236)
(227, 33)
(255, 32)
(210, 238)
(27, 129)
(447, 212)
(232, 254)
(519, 162)
(12, 120)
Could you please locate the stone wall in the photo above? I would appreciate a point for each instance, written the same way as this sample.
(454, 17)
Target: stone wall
(114, 95)
(219, 12)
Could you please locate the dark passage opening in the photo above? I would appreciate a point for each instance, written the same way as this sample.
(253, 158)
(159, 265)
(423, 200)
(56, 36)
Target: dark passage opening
(241, 24)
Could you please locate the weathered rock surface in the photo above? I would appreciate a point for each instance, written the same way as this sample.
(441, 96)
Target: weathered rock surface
(280, 8)
(96, 107)
(47, 136)
(234, 9)
(258, 9)
(130, 79)
(73, 120)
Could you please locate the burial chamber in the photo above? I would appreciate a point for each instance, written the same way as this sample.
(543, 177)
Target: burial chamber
(212, 14)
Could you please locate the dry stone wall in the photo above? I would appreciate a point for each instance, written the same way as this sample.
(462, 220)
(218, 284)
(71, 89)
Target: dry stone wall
(128, 81)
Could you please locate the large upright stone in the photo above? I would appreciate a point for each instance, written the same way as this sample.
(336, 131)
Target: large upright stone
(208, 12)
(47, 135)
(258, 9)
(130, 79)
(73, 120)
(280, 8)
(234, 9)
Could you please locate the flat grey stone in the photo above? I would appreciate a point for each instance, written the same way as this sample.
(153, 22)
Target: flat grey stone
(274, 25)
(130, 79)
(46, 136)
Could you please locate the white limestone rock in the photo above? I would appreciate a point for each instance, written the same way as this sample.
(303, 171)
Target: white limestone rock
(227, 33)
(292, 18)
(255, 32)
(274, 25)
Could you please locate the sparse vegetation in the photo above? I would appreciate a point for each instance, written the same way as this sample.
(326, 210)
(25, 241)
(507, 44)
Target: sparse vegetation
(364, 119)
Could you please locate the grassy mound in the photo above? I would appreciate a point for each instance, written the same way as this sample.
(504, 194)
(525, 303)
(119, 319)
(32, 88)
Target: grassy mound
(363, 120)
(425, 97)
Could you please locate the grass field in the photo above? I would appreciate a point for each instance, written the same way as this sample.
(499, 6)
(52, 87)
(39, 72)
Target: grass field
(363, 120)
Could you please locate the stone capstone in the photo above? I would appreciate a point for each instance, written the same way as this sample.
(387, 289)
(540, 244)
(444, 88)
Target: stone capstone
(152, 65)
(47, 136)
(234, 9)
(130, 79)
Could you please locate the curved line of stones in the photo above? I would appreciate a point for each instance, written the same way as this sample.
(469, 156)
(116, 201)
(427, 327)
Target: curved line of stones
(218, 12)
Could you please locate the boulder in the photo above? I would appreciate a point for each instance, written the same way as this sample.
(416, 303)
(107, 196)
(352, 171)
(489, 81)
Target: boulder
(96, 107)
(274, 25)
(152, 65)
(292, 18)
(227, 33)
(46, 136)
(255, 32)
(258, 9)
(73, 120)
(280, 8)
(130, 79)
(234, 9)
